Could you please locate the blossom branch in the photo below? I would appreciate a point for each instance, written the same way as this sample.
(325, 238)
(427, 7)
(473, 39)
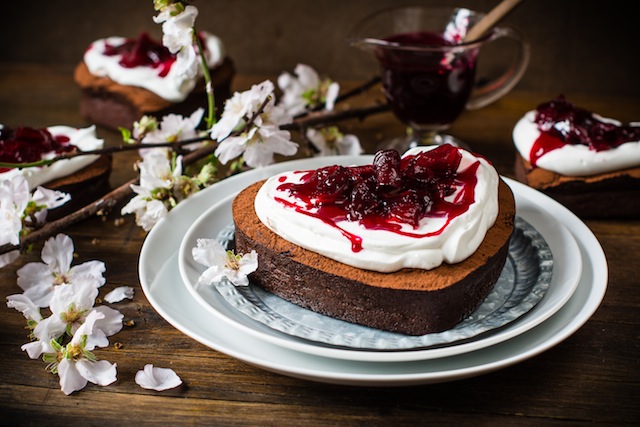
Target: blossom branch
(99, 207)
(113, 198)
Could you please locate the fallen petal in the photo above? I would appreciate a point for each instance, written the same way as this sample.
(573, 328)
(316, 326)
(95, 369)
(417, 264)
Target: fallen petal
(118, 294)
(158, 379)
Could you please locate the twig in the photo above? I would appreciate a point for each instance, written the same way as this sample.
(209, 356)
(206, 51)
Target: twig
(316, 118)
(359, 89)
(106, 150)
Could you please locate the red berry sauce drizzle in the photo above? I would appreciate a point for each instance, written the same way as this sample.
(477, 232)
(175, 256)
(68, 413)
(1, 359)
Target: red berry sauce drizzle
(560, 123)
(388, 193)
(26, 145)
(143, 52)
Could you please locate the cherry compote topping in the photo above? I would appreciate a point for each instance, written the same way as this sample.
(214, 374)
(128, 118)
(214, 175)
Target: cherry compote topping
(143, 52)
(560, 122)
(26, 145)
(388, 193)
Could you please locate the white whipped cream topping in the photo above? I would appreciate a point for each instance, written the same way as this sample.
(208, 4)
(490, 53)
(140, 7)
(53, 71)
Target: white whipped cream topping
(172, 87)
(575, 160)
(382, 250)
(85, 139)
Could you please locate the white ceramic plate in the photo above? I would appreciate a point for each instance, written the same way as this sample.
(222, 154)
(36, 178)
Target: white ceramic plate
(161, 282)
(564, 280)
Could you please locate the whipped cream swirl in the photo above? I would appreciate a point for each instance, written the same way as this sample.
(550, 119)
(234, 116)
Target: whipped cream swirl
(386, 251)
(85, 139)
(575, 159)
(173, 87)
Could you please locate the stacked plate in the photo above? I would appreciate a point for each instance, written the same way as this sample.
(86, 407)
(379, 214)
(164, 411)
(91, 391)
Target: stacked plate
(526, 314)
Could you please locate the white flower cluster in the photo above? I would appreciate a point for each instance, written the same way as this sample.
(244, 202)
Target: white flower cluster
(329, 141)
(70, 294)
(178, 34)
(162, 183)
(75, 327)
(250, 127)
(21, 211)
(305, 90)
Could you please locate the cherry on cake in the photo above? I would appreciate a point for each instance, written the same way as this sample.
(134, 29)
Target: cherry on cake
(122, 79)
(409, 244)
(589, 163)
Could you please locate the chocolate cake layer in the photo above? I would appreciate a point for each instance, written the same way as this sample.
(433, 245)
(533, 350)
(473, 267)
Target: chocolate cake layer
(410, 301)
(112, 105)
(608, 195)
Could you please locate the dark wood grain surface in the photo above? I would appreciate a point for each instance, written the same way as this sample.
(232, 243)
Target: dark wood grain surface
(593, 376)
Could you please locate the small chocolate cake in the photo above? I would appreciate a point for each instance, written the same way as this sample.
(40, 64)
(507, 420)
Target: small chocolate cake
(587, 162)
(85, 180)
(112, 105)
(409, 301)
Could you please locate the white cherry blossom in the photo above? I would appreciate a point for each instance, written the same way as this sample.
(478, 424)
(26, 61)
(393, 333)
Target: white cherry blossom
(221, 263)
(39, 279)
(155, 194)
(172, 128)
(269, 140)
(178, 36)
(75, 364)
(240, 108)
(306, 90)
(263, 138)
(70, 305)
(20, 209)
(158, 379)
(330, 141)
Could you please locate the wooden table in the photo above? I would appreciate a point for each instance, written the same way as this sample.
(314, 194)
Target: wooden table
(594, 375)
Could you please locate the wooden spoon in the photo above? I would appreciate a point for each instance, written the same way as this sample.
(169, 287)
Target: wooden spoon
(491, 19)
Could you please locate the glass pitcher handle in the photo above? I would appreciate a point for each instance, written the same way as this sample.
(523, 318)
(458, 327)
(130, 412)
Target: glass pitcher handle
(500, 86)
